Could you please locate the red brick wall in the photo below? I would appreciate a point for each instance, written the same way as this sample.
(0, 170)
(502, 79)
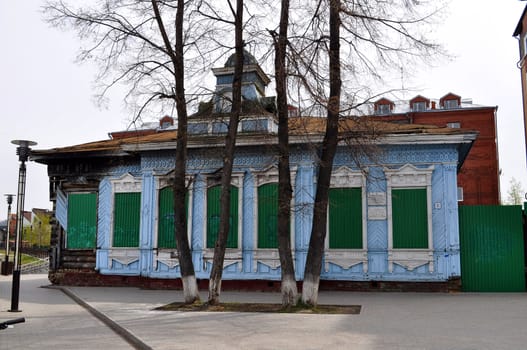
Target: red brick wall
(479, 175)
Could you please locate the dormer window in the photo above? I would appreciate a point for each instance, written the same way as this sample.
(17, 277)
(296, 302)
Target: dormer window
(419, 106)
(166, 122)
(383, 106)
(383, 109)
(451, 104)
(450, 101)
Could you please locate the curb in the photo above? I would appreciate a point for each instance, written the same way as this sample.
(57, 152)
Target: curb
(119, 330)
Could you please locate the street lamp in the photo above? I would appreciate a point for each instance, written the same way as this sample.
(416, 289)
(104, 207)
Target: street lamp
(22, 151)
(5, 267)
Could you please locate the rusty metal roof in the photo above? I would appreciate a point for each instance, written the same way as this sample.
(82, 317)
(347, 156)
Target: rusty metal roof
(299, 126)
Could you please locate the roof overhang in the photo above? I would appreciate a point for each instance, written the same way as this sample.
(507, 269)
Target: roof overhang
(519, 27)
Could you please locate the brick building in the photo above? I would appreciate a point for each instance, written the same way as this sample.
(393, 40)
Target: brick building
(478, 180)
(520, 32)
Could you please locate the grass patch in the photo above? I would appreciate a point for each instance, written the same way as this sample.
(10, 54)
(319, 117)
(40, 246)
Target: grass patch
(262, 307)
(24, 258)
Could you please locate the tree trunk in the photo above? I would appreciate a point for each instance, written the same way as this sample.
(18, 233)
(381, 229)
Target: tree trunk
(285, 192)
(188, 276)
(228, 159)
(329, 148)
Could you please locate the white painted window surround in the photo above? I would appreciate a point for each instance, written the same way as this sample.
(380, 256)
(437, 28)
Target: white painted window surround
(125, 183)
(232, 255)
(345, 177)
(169, 257)
(409, 176)
(269, 257)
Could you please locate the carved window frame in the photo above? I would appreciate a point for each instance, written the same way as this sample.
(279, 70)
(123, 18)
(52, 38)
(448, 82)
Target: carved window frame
(232, 255)
(409, 176)
(124, 184)
(170, 256)
(345, 177)
(270, 256)
(163, 182)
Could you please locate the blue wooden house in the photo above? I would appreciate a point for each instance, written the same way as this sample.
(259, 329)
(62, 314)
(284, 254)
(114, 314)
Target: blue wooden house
(392, 218)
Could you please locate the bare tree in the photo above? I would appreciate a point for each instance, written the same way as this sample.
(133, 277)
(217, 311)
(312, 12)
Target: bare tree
(228, 158)
(329, 148)
(188, 276)
(360, 40)
(129, 50)
(285, 191)
(515, 194)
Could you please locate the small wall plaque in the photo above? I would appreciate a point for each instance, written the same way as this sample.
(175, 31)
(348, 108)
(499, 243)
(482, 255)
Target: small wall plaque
(376, 213)
(377, 198)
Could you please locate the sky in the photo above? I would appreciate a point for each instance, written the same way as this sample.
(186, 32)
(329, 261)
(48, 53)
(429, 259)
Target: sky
(45, 96)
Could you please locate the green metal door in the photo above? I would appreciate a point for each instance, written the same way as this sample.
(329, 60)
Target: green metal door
(492, 248)
(82, 221)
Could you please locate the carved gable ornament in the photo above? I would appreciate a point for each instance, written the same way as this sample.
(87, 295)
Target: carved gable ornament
(345, 177)
(268, 175)
(126, 183)
(409, 176)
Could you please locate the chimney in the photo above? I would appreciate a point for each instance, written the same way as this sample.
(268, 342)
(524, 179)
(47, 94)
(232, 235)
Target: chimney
(433, 104)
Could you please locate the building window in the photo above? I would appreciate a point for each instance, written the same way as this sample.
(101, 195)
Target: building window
(198, 128)
(460, 194)
(255, 125)
(165, 226)
(383, 109)
(268, 215)
(126, 219)
(409, 218)
(213, 217)
(220, 127)
(345, 218)
(224, 101)
(453, 125)
(410, 230)
(451, 104)
(419, 106)
(82, 221)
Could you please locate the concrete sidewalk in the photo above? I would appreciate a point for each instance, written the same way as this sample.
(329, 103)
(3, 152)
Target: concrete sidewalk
(387, 321)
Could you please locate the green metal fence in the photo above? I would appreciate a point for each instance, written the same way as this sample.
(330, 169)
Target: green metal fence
(492, 248)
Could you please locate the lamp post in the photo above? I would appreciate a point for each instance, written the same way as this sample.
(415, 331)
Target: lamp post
(5, 269)
(22, 151)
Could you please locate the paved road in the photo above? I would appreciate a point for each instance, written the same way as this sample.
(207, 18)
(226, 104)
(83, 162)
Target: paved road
(387, 321)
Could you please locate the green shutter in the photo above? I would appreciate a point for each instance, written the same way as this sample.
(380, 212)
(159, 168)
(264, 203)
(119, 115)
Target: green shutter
(82, 221)
(410, 218)
(213, 217)
(126, 220)
(165, 230)
(267, 216)
(345, 218)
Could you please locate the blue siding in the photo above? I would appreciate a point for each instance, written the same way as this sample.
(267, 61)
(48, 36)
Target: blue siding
(247, 163)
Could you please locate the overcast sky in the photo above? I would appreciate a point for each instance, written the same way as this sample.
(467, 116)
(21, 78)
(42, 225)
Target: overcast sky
(46, 97)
